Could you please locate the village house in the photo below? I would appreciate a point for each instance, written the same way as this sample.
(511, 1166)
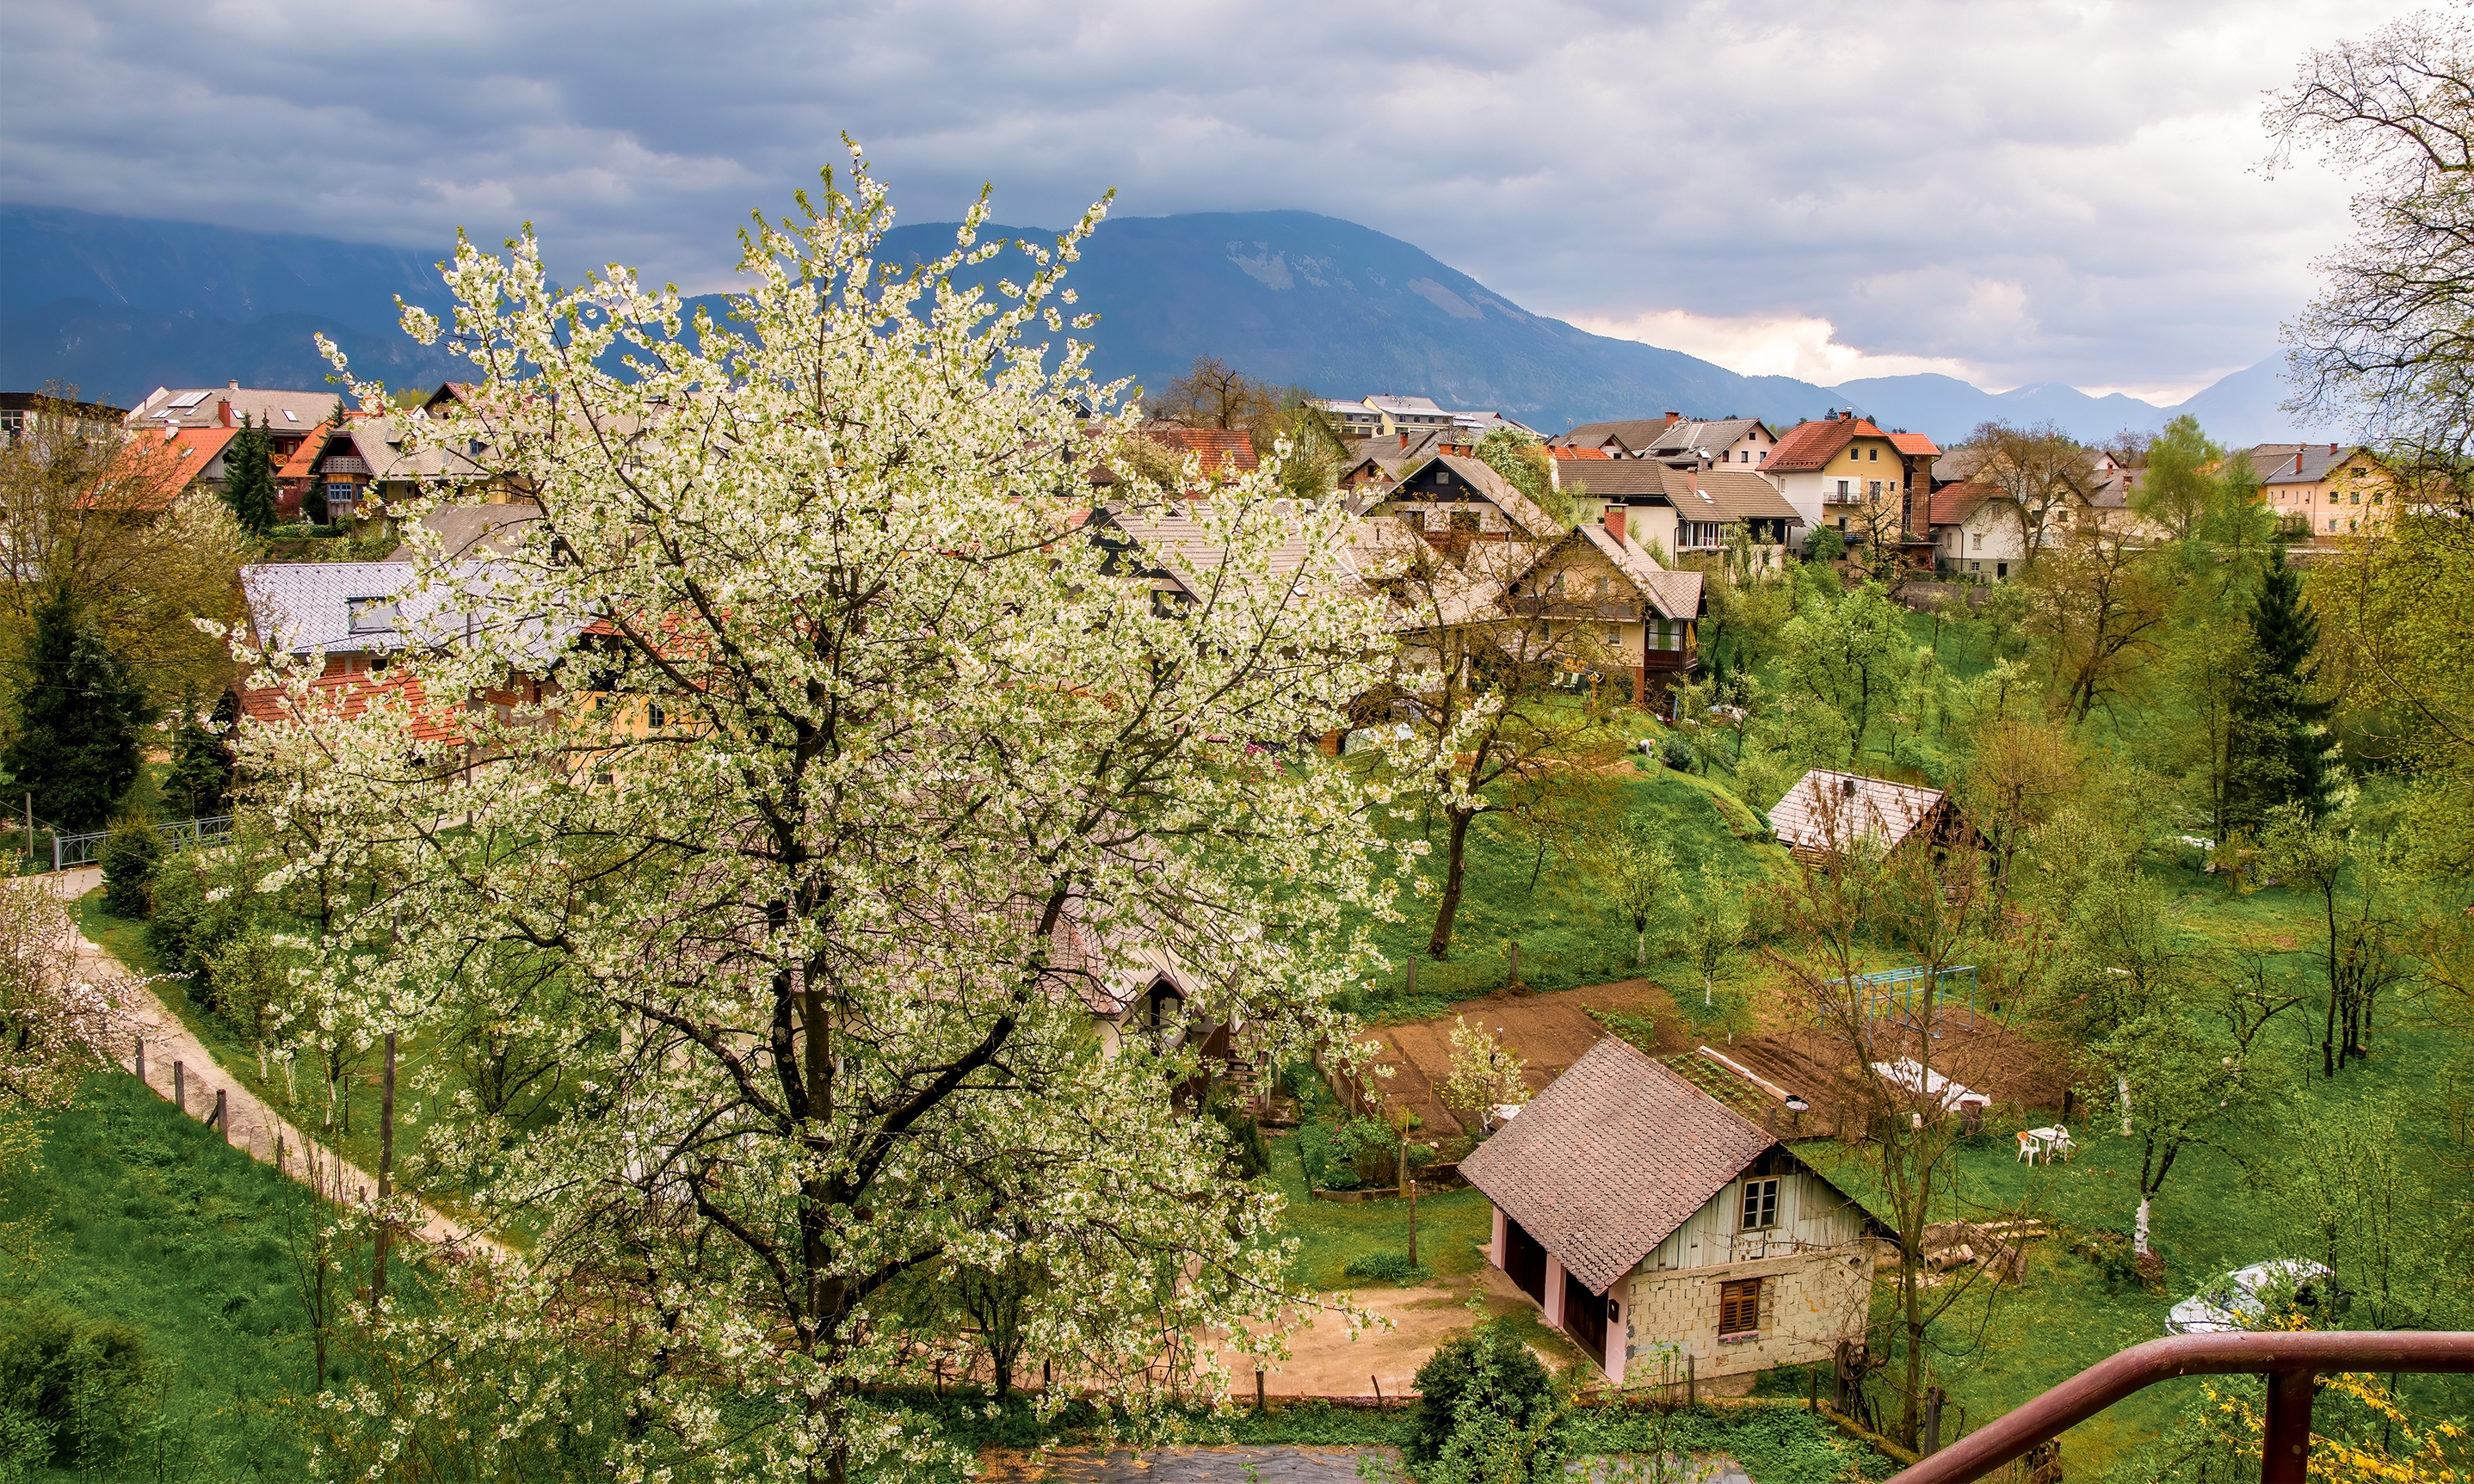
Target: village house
(1830, 467)
(1393, 417)
(1452, 495)
(1825, 812)
(1679, 507)
(2325, 489)
(23, 412)
(1596, 575)
(363, 470)
(1744, 442)
(290, 418)
(1655, 1225)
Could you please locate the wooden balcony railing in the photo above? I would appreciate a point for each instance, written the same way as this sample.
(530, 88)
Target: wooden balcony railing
(2289, 1361)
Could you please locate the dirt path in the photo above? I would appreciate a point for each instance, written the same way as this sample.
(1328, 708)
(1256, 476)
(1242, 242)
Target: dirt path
(250, 1124)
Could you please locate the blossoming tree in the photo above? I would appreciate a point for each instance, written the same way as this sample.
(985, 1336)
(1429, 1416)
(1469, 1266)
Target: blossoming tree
(866, 776)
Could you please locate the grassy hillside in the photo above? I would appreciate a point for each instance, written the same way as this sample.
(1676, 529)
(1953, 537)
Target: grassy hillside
(158, 1243)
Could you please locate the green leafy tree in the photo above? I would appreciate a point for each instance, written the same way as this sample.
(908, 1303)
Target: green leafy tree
(78, 712)
(1711, 926)
(248, 478)
(1640, 873)
(1851, 651)
(2177, 1088)
(129, 856)
(1521, 459)
(2179, 487)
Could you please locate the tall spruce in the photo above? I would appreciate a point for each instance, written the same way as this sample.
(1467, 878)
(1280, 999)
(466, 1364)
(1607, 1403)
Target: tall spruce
(248, 478)
(2289, 649)
(199, 781)
(79, 709)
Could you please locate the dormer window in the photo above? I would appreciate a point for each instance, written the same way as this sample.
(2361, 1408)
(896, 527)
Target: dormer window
(370, 616)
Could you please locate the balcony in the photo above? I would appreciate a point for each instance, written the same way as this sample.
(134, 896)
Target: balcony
(1584, 610)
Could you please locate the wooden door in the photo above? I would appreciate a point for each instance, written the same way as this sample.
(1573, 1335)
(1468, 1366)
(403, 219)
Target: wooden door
(1584, 1318)
(1524, 1261)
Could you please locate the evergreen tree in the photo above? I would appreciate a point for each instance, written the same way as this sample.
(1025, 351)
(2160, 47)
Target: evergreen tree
(248, 477)
(2289, 647)
(78, 714)
(200, 778)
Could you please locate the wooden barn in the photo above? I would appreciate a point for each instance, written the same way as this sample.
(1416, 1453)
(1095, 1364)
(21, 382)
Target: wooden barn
(1826, 811)
(1653, 1223)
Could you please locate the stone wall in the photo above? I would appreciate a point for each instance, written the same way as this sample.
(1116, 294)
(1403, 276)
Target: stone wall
(1809, 1301)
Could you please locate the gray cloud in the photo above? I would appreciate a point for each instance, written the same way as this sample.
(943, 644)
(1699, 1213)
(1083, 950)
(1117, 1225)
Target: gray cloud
(2051, 191)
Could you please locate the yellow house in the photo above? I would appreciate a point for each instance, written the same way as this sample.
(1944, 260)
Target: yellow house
(2327, 490)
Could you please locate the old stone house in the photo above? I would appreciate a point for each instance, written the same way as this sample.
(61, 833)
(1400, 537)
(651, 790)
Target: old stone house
(1598, 575)
(1652, 1223)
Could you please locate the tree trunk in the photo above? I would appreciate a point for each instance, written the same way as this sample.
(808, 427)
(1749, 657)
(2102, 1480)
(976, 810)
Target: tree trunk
(1457, 854)
(2139, 1238)
(1640, 944)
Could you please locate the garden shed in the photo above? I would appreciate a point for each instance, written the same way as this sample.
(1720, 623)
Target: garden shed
(1653, 1223)
(1826, 811)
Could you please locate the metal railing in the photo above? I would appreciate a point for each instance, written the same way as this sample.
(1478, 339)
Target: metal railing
(2289, 1363)
(180, 834)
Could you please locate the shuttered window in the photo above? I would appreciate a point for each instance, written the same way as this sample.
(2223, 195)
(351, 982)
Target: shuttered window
(1739, 1307)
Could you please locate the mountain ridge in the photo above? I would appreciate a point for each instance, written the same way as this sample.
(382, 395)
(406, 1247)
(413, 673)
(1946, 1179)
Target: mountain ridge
(118, 306)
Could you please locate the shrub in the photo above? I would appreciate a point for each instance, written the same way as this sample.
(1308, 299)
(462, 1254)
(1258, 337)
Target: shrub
(129, 856)
(1370, 1147)
(1487, 1409)
(1247, 1151)
(2113, 1256)
(1322, 1171)
(1387, 1267)
(1676, 754)
(73, 1389)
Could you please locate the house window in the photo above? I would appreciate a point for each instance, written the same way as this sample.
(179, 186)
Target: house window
(1873, 489)
(1842, 523)
(1979, 540)
(339, 491)
(1614, 635)
(1760, 1205)
(1765, 456)
(370, 616)
(1874, 454)
(1743, 456)
(1976, 567)
(2332, 522)
(1842, 488)
(1740, 1307)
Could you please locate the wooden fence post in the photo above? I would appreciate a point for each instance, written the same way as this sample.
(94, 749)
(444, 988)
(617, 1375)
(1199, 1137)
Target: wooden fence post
(1412, 991)
(221, 1120)
(179, 1086)
(1258, 1389)
(1933, 1419)
(141, 1061)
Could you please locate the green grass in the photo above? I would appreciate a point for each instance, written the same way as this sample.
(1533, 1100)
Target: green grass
(1568, 931)
(148, 1218)
(1453, 1227)
(354, 1130)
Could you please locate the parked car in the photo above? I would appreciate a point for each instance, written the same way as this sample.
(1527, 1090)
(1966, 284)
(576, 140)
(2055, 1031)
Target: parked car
(2241, 1299)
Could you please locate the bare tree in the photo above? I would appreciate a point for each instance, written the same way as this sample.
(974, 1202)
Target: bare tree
(1931, 906)
(2101, 609)
(1213, 393)
(2043, 469)
(2387, 345)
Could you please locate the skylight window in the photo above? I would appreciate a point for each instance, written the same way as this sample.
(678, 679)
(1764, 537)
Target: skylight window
(370, 616)
(287, 416)
(190, 400)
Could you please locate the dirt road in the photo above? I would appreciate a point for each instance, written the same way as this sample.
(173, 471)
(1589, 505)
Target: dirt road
(178, 1062)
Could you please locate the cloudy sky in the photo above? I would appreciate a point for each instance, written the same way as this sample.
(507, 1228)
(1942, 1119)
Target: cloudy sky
(2015, 192)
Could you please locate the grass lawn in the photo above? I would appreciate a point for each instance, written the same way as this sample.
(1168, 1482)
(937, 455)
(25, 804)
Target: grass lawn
(1567, 932)
(1453, 1226)
(146, 1218)
(354, 1131)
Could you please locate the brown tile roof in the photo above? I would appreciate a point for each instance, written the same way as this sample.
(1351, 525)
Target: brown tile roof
(1674, 594)
(1915, 443)
(1613, 1157)
(1558, 451)
(1826, 809)
(1733, 495)
(1632, 433)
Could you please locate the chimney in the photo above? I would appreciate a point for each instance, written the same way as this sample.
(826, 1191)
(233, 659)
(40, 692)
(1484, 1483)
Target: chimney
(232, 386)
(1615, 518)
(2297, 461)
(1404, 441)
(222, 412)
(2332, 450)
(1847, 786)
(1674, 417)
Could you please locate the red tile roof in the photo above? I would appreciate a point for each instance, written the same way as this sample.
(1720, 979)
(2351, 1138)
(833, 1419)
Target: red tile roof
(1952, 504)
(344, 697)
(1213, 448)
(1915, 443)
(151, 470)
(1559, 453)
(1808, 446)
